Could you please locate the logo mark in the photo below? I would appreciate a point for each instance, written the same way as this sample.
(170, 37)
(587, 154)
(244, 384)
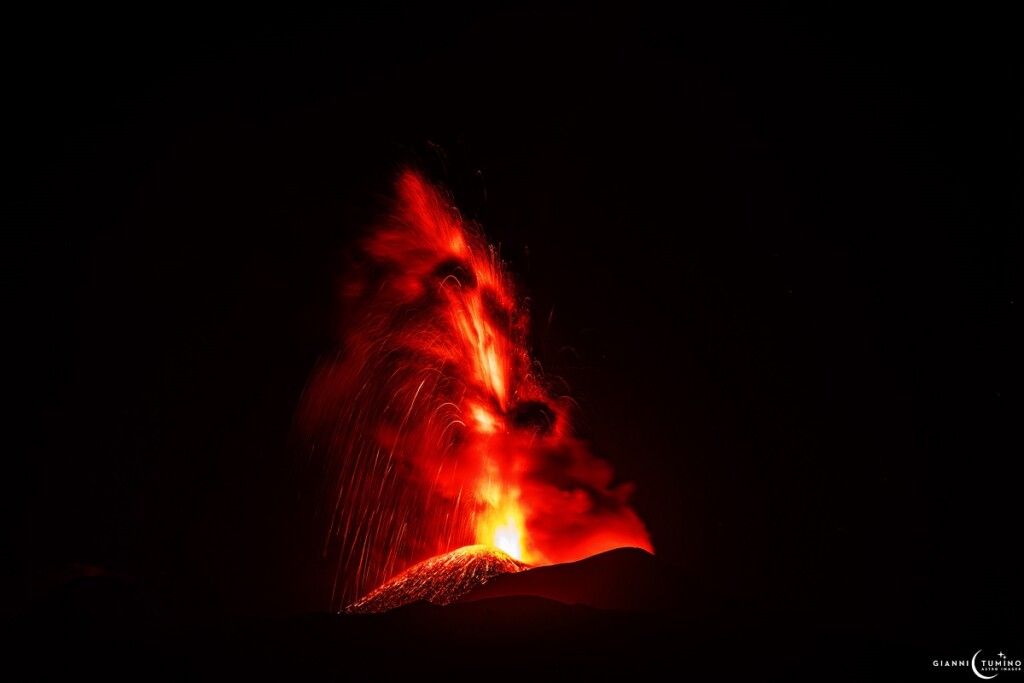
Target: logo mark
(974, 667)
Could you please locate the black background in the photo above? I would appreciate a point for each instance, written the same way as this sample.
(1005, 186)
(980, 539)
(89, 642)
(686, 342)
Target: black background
(773, 253)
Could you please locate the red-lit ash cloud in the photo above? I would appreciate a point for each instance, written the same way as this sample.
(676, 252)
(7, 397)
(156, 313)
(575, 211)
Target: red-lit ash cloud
(436, 428)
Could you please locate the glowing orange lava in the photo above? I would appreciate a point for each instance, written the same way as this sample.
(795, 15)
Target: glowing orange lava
(437, 428)
(501, 522)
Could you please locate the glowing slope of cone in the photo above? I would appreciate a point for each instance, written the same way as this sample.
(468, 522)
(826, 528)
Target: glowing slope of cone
(441, 579)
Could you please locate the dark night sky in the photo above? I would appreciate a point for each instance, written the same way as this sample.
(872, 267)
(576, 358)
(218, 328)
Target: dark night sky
(783, 248)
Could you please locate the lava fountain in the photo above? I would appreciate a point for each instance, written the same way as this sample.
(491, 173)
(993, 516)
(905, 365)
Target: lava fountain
(435, 427)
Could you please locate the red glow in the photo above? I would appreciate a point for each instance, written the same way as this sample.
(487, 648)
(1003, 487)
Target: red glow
(437, 428)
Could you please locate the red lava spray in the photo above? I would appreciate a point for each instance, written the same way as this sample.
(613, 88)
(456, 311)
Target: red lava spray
(435, 426)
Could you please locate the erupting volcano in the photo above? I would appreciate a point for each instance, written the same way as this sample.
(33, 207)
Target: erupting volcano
(436, 428)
